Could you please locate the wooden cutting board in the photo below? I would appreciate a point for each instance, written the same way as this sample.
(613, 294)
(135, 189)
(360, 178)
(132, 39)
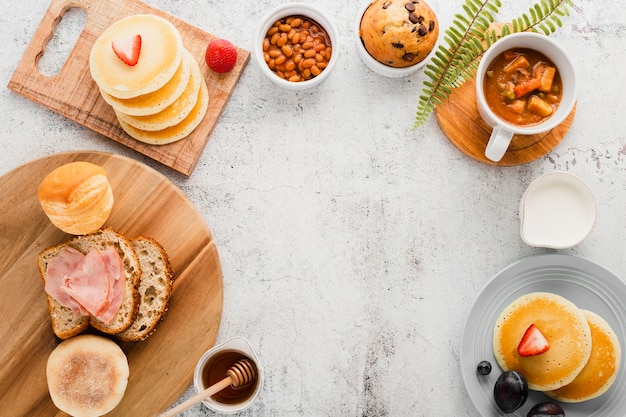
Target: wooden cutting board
(73, 94)
(460, 121)
(146, 203)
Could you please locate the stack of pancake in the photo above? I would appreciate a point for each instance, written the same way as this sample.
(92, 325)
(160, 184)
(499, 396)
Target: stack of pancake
(163, 97)
(584, 355)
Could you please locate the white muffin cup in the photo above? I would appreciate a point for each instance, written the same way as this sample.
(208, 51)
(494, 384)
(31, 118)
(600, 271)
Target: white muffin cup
(382, 69)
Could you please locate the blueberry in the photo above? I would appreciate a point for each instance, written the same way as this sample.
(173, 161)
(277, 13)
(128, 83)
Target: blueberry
(546, 409)
(510, 391)
(484, 368)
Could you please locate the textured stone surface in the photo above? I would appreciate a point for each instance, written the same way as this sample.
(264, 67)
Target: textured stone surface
(352, 245)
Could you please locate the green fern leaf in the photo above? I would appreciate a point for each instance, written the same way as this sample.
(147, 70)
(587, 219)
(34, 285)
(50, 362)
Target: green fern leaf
(446, 89)
(451, 39)
(494, 7)
(431, 75)
(539, 10)
(439, 62)
(460, 22)
(543, 13)
(533, 14)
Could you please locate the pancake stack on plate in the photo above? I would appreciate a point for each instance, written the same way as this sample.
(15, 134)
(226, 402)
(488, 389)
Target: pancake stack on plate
(584, 354)
(163, 97)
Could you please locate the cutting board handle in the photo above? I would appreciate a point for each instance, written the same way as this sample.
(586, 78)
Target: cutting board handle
(46, 31)
(47, 28)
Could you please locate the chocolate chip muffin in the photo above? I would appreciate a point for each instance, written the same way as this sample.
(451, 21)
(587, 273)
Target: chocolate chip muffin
(399, 33)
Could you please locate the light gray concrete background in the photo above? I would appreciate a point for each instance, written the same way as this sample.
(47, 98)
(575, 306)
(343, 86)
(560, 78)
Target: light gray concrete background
(353, 245)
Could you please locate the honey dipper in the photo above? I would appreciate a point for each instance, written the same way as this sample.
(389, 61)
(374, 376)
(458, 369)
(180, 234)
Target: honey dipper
(243, 372)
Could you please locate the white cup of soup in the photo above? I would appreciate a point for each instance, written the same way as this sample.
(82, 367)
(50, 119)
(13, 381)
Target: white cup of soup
(525, 85)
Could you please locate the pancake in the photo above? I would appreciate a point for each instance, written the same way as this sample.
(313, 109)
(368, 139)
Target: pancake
(158, 100)
(561, 322)
(175, 112)
(176, 132)
(159, 58)
(601, 369)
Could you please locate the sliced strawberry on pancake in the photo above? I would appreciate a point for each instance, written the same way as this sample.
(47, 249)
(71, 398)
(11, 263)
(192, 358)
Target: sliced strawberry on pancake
(533, 342)
(128, 49)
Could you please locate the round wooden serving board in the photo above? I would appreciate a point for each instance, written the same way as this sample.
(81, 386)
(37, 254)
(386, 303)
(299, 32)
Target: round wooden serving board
(146, 203)
(459, 120)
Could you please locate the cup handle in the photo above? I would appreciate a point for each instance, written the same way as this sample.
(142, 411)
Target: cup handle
(498, 143)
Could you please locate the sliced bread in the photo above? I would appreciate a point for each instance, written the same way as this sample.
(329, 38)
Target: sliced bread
(65, 323)
(155, 288)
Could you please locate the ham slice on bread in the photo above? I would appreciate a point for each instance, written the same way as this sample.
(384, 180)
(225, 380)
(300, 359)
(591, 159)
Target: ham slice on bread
(105, 305)
(91, 284)
(135, 274)
(59, 267)
(115, 273)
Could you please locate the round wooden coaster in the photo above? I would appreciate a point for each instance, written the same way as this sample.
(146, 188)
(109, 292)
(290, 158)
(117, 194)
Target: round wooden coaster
(459, 120)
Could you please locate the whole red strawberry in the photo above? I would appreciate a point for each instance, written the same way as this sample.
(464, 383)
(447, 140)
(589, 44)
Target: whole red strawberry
(221, 55)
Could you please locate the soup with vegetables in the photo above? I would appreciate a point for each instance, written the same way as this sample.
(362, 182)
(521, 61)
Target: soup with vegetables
(522, 86)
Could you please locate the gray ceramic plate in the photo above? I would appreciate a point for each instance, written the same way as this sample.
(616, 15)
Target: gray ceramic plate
(586, 284)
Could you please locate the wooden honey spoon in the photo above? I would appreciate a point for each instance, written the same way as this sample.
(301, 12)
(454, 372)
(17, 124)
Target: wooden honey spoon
(243, 372)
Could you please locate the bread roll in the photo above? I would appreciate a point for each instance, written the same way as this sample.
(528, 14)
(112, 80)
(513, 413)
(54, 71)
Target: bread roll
(76, 197)
(87, 375)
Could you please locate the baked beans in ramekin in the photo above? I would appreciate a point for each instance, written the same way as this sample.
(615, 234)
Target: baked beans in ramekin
(296, 46)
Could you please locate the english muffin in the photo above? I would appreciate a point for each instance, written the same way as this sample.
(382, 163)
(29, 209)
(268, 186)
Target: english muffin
(601, 369)
(87, 375)
(563, 325)
(399, 33)
(161, 52)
